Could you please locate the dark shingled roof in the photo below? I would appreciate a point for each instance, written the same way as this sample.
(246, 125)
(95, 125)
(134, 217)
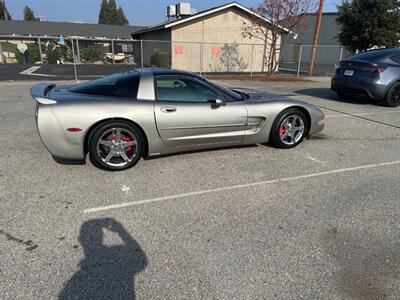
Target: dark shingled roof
(167, 24)
(162, 25)
(67, 29)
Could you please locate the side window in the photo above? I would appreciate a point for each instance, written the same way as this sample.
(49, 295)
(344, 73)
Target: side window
(183, 90)
(396, 59)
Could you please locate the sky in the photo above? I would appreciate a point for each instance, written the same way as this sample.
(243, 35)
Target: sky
(144, 12)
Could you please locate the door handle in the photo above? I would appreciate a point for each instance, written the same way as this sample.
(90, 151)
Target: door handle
(168, 109)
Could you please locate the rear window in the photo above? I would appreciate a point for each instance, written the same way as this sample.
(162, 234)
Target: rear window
(374, 55)
(118, 85)
(396, 59)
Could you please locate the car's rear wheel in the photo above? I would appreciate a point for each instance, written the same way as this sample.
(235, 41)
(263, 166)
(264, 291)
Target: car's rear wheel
(116, 146)
(392, 98)
(289, 129)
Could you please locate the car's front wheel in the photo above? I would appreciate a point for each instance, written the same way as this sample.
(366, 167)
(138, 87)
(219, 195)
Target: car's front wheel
(116, 146)
(392, 98)
(289, 129)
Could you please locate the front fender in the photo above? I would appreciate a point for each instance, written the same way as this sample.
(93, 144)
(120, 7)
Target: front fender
(269, 111)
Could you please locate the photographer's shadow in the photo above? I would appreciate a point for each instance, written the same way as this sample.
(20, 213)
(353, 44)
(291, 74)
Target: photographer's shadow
(107, 272)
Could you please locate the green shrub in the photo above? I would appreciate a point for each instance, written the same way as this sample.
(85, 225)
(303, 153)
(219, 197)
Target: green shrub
(91, 54)
(55, 52)
(53, 55)
(32, 54)
(160, 59)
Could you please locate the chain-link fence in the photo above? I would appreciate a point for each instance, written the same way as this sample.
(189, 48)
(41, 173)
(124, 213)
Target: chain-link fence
(51, 50)
(74, 55)
(296, 59)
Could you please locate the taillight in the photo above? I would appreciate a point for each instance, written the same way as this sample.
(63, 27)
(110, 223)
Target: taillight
(379, 70)
(337, 65)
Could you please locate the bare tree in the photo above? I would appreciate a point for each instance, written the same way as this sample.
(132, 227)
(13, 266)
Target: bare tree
(229, 60)
(279, 20)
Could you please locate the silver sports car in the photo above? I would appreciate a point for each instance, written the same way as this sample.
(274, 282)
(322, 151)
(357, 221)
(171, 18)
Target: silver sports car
(148, 112)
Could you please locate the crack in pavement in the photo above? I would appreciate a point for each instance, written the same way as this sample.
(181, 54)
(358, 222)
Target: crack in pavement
(360, 117)
(29, 243)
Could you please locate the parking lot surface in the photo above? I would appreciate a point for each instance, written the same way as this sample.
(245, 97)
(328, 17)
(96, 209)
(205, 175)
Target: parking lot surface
(320, 221)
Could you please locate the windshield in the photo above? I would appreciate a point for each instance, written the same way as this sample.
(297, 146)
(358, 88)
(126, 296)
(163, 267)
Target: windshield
(230, 93)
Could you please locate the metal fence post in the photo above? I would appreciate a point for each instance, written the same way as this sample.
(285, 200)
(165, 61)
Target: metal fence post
(299, 63)
(112, 49)
(141, 53)
(201, 58)
(341, 53)
(77, 50)
(171, 44)
(1, 54)
(73, 56)
(251, 64)
(40, 50)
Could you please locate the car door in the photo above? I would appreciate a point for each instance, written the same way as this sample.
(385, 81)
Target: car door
(186, 113)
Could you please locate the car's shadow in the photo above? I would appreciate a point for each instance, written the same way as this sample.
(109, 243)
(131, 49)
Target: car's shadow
(205, 150)
(328, 94)
(73, 162)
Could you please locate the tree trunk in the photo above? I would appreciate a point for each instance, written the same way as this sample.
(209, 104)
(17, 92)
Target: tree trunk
(264, 52)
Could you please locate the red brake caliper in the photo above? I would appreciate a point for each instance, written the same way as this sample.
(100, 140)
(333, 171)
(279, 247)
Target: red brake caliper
(282, 131)
(128, 139)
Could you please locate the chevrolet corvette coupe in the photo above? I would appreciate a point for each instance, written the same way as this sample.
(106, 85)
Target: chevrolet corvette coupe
(149, 112)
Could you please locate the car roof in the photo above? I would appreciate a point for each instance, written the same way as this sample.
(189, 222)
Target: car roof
(165, 72)
(374, 55)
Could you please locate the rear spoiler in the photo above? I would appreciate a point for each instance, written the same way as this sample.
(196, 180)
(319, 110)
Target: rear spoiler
(40, 92)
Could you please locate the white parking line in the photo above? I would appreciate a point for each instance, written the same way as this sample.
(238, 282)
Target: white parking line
(32, 69)
(240, 186)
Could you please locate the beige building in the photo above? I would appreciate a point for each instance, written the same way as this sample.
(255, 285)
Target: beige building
(208, 41)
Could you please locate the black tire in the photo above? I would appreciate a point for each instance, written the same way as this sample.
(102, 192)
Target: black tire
(276, 134)
(392, 98)
(97, 151)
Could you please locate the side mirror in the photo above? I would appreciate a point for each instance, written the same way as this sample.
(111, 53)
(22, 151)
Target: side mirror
(219, 102)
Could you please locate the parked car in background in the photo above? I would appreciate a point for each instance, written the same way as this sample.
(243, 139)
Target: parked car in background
(374, 73)
(148, 112)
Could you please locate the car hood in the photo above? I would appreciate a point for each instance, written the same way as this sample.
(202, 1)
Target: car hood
(271, 97)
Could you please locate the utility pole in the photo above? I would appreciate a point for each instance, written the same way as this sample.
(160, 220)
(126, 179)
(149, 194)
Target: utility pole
(316, 35)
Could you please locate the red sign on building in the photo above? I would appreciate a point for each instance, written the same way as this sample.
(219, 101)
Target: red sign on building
(179, 49)
(215, 51)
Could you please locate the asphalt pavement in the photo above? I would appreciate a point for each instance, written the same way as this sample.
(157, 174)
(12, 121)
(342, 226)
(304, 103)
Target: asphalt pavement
(55, 72)
(320, 221)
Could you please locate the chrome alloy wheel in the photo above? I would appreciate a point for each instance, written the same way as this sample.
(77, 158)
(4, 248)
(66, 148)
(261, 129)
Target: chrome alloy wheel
(117, 147)
(291, 130)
